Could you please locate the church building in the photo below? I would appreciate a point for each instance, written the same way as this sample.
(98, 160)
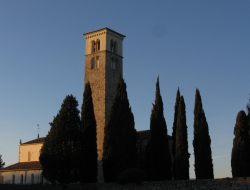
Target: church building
(103, 66)
(28, 169)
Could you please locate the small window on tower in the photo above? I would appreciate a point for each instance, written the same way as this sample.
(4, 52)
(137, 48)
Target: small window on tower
(97, 62)
(93, 64)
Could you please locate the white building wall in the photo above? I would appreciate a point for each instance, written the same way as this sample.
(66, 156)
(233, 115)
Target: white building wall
(8, 177)
(34, 150)
(37, 176)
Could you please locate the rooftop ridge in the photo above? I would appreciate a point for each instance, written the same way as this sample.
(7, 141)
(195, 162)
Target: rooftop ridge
(108, 29)
(38, 140)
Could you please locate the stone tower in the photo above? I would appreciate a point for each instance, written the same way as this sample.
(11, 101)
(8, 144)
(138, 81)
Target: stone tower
(103, 66)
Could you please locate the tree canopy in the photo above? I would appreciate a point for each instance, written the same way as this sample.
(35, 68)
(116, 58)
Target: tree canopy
(157, 157)
(202, 142)
(174, 125)
(88, 145)
(240, 160)
(58, 158)
(1, 162)
(181, 167)
(120, 136)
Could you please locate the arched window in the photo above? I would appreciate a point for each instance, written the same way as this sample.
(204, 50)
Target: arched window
(32, 179)
(95, 46)
(93, 64)
(29, 156)
(13, 179)
(21, 179)
(113, 45)
(97, 62)
(2, 179)
(98, 45)
(41, 178)
(93, 49)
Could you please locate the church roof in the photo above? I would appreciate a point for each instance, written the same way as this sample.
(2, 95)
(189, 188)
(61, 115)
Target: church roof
(35, 165)
(38, 140)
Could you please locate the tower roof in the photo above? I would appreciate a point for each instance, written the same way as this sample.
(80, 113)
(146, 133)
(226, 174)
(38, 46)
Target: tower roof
(108, 29)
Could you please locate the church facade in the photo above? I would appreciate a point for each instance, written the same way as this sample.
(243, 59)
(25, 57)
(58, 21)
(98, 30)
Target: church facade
(28, 170)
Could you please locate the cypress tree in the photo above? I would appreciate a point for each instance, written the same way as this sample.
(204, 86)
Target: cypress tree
(120, 136)
(240, 152)
(174, 126)
(58, 158)
(202, 142)
(88, 147)
(181, 147)
(248, 115)
(157, 156)
(1, 162)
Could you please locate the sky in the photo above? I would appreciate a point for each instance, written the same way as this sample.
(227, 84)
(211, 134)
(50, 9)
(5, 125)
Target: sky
(188, 44)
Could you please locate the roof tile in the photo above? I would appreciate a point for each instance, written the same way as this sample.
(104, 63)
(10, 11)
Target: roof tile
(38, 140)
(24, 166)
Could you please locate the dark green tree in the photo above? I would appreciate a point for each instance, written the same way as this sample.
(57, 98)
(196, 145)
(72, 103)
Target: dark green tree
(202, 143)
(58, 155)
(181, 166)
(248, 115)
(120, 136)
(174, 126)
(157, 156)
(240, 153)
(1, 162)
(88, 150)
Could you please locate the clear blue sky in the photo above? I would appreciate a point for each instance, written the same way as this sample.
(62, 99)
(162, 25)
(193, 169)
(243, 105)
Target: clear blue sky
(189, 44)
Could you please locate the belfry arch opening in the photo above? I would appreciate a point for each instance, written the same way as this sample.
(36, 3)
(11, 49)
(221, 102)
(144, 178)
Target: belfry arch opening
(96, 46)
(113, 46)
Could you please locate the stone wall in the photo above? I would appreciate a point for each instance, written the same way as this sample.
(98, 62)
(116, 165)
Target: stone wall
(103, 82)
(217, 184)
(96, 77)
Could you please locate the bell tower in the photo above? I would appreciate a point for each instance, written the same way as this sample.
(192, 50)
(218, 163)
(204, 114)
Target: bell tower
(103, 66)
